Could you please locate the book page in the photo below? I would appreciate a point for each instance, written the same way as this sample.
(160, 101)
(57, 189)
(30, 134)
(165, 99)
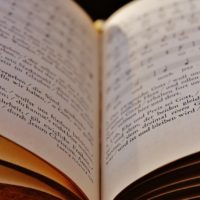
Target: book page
(28, 161)
(151, 89)
(14, 177)
(49, 85)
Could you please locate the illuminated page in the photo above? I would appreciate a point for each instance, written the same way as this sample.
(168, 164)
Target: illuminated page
(151, 89)
(49, 85)
(13, 177)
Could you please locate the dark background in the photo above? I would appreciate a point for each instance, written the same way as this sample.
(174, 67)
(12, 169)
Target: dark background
(101, 9)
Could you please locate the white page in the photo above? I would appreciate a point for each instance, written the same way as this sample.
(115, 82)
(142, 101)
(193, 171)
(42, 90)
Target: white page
(151, 89)
(49, 85)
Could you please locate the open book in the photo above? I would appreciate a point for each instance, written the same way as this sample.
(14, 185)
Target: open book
(85, 113)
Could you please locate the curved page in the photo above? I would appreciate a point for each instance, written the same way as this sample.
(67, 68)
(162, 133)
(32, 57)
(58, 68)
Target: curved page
(49, 85)
(151, 89)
